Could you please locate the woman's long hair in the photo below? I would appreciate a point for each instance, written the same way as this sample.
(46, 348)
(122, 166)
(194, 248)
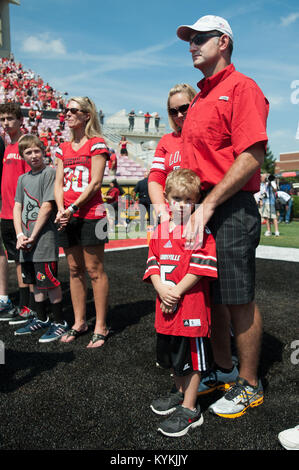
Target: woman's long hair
(93, 127)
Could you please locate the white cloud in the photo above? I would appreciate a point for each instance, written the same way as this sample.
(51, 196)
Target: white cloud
(287, 20)
(276, 100)
(42, 44)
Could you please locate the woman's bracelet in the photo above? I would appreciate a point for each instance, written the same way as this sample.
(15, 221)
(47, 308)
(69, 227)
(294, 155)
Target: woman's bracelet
(20, 234)
(72, 208)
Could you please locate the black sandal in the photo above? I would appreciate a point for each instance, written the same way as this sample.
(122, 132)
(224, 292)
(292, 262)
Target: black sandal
(74, 333)
(97, 337)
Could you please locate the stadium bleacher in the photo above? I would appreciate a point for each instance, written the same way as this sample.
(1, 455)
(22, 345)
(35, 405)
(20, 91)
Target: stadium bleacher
(26, 87)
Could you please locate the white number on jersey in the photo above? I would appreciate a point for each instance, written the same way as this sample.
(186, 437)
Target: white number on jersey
(164, 270)
(76, 179)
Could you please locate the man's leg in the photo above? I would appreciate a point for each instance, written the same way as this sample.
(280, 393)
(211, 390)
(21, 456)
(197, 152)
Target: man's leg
(247, 325)
(221, 336)
(3, 272)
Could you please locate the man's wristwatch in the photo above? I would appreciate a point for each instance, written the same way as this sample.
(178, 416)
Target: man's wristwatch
(72, 208)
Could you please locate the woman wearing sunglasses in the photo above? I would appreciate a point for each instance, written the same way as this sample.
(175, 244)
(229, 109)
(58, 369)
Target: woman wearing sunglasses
(168, 152)
(81, 217)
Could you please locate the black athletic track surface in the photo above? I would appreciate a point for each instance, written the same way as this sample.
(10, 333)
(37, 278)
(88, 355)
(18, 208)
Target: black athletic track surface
(68, 397)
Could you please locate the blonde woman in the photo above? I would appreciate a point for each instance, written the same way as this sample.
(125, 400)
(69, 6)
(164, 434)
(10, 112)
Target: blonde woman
(80, 170)
(168, 152)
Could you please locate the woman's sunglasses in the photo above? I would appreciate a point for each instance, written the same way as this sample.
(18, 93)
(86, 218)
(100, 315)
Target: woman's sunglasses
(74, 110)
(180, 109)
(201, 38)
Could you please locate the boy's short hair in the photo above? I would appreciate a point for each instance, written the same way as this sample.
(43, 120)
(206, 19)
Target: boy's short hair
(183, 179)
(11, 108)
(28, 141)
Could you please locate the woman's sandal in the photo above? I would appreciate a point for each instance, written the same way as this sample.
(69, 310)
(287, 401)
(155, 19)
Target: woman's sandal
(98, 337)
(74, 333)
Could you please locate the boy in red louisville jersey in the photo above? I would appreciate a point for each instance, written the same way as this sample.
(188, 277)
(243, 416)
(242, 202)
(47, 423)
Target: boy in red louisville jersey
(181, 278)
(11, 120)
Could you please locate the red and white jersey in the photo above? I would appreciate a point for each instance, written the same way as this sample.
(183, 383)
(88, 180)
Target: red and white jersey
(171, 260)
(167, 158)
(13, 167)
(77, 175)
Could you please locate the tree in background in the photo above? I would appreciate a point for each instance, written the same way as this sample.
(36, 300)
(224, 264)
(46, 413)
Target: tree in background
(269, 162)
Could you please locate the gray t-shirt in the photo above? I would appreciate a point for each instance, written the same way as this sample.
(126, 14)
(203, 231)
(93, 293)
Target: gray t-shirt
(32, 191)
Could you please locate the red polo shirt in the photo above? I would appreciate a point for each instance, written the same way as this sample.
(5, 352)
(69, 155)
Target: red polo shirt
(226, 117)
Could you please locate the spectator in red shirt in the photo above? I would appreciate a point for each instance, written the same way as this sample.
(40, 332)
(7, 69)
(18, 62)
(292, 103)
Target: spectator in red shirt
(147, 117)
(112, 163)
(61, 117)
(53, 104)
(38, 118)
(112, 196)
(224, 142)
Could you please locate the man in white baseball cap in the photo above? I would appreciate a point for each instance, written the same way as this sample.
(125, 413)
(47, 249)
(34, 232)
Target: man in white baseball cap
(224, 142)
(204, 24)
(202, 49)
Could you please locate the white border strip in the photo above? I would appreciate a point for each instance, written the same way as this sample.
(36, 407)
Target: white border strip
(277, 253)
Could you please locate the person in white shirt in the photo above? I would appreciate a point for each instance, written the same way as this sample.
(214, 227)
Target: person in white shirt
(267, 193)
(286, 203)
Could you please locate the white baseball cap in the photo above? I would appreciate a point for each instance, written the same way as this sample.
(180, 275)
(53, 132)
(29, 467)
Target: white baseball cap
(204, 24)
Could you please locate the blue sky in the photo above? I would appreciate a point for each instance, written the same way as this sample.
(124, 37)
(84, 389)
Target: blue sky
(126, 55)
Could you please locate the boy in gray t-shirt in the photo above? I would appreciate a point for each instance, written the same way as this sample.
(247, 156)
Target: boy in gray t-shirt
(37, 239)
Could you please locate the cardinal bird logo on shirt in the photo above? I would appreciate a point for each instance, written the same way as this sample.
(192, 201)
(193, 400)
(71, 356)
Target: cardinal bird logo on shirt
(30, 209)
(40, 276)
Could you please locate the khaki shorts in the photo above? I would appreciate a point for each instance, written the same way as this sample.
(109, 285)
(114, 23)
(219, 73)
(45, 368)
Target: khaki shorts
(269, 211)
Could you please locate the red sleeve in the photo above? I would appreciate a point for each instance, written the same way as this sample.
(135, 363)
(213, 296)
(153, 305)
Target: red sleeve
(158, 171)
(59, 152)
(152, 264)
(203, 261)
(98, 147)
(249, 119)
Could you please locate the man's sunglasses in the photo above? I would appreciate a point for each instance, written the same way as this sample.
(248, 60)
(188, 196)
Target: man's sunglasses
(201, 38)
(180, 109)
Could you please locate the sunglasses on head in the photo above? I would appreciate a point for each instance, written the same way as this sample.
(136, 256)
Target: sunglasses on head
(180, 109)
(201, 38)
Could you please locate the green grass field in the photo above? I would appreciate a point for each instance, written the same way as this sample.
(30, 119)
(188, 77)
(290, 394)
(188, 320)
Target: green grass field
(289, 235)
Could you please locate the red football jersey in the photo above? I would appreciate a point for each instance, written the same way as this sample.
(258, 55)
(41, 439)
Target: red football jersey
(13, 167)
(169, 259)
(167, 157)
(77, 175)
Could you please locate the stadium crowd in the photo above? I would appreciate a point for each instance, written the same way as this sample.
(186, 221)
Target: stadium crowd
(27, 88)
(202, 184)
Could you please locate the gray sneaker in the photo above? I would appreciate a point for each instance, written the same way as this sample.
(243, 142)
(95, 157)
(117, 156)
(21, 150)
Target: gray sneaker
(165, 405)
(238, 399)
(7, 311)
(181, 421)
